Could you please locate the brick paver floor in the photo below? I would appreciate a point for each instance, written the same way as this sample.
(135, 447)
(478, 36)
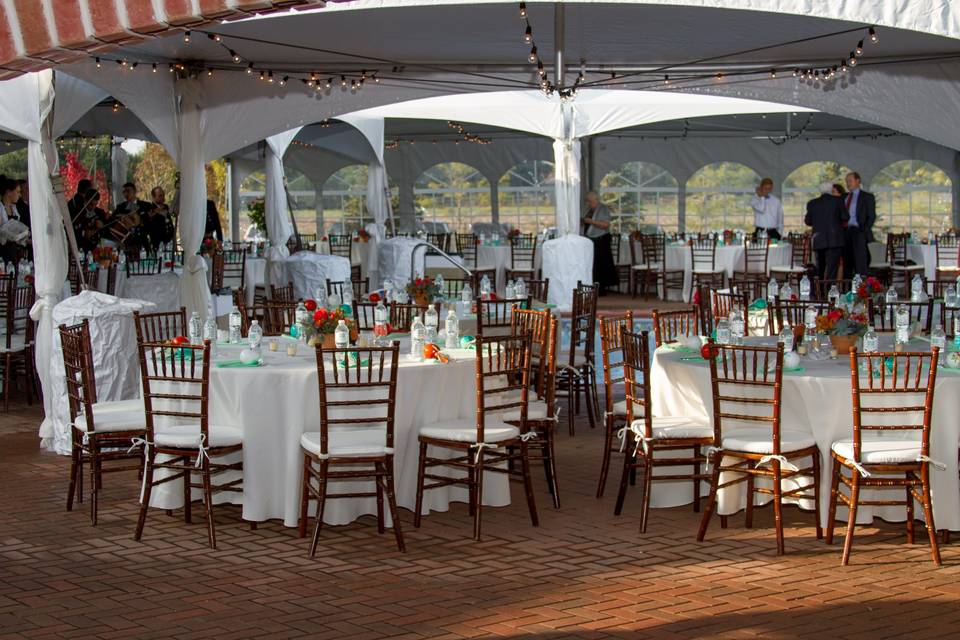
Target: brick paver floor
(582, 574)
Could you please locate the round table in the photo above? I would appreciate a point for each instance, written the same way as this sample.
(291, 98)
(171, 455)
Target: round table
(277, 402)
(729, 258)
(817, 400)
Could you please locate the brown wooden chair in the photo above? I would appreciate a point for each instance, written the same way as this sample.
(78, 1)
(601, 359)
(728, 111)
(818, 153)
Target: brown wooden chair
(440, 241)
(523, 257)
(484, 443)
(452, 287)
(747, 384)
(884, 316)
(623, 267)
(668, 326)
(896, 270)
(615, 412)
(467, 246)
(160, 326)
(176, 382)
(753, 288)
(654, 251)
(17, 345)
(541, 413)
(401, 316)
(948, 256)
(822, 287)
(898, 399)
(494, 317)
(756, 254)
(646, 436)
(149, 266)
(341, 245)
(539, 290)
(216, 273)
(799, 258)
(352, 446)
(282, 294)
(235, 268)
(703, 261)
(576, 372)
(278, 316)
(364, 314)
(100, 432)
(723, 304)
(360, 288)
(790, 313)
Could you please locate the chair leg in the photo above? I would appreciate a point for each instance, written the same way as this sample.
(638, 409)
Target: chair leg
(834, 489)
(420, 471)
(379, 487)
(145, 498)
(551, 464)
(605, 462)
(392, 504)
(76, 466)
(778, 506)
(910, 514)
(696, 480)
(528, 482)
(570, 402)
(94, 480)
(624, 476)
(928, 515)
(712, 498)
(748, 511)
(646, 488)
(478, 509)
(7, 380)
(187, 491)
(208, 503)
(851, 516)
(816, 494)
(589, 392)
(304, 497)
(321, 503)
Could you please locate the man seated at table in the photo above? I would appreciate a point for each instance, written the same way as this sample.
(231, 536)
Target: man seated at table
(827, 215)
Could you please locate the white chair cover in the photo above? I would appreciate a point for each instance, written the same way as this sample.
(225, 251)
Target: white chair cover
(393, 260)
(566, 260)
(309, 271)
(162, 289)
(114, 341)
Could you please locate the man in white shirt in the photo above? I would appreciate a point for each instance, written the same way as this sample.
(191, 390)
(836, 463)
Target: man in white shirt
(767, 210)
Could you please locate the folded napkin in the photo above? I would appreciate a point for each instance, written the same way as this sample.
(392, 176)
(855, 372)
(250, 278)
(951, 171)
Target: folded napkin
(233, 364)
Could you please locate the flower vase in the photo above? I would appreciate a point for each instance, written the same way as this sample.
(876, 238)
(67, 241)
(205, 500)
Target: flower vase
(105, 263)
(843, 343)
(421, 300)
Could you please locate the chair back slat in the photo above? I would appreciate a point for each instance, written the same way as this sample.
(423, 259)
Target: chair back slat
(281, 293)
(78, 366)
(884, 316)
(756, 253)
(401, 315)
(790, 313)
(703, 254)
(747, 382)
(176, 384)
(612, 330)
(537, 324)
(160, 326)
(670, 325)
(523, 251)
(495, 316)
(539, 289)
(503, 375)
(636, 377)
(341, 245)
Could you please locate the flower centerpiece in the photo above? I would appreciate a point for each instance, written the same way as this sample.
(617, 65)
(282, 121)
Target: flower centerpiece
(104, 256)
(210, 246)
(844, 325)
(363, 235)
(323, 325)
(423, 291)
(514, 233)
(869, 289)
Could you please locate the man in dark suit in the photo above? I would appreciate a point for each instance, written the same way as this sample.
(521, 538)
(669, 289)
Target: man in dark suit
(827, 215)
(862, 209)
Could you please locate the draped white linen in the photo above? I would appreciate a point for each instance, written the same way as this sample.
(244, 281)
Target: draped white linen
(275, 207)
(194, 290)
(118, 168)
(567, 185)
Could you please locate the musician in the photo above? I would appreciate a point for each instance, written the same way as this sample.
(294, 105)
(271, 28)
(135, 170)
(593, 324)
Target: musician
(76, 203)
(127, 221)
(91, 222)
(158, 223)
(9, 194)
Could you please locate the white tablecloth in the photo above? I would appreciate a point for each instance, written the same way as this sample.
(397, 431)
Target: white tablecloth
(255, 275)
(309, 271)
(566, 260)
(393, 260)
(276, 403)
(922, 254)
(816, 401)
(728, 257)
(114, 341)
(162, 289)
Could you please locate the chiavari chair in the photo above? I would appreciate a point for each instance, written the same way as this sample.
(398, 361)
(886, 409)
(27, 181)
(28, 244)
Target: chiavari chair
(341, 245)
(467, 244)
(282, 294)
(440, 241)
(577, 373)
(541, 413)
(724, 302)
(753, 288)
(176, 383)
(148, 266)
(948, 256)
(799, 257)
(100, 432)
(756, 254)
(453, 286)
(539, 290)
(615, 412)
(646, 436)
(73, 275)
(235, 268)
(364, 314)
(356, 273)
(401, 315)
(668, 326)
(494, 317)
(248, 313)
(640, 272)
(352, 445)
(822, 287)
(216, 273)
(890, 447)
(523, 257)
(703, 260)
(790, 313)
(884, 316)
(18, 342)
(897, 268)
(484, 443)
(278, 316)
(702, 301)
(160, 326)
(655, 255)
(359, 288)
(623, 267)
(747, 384)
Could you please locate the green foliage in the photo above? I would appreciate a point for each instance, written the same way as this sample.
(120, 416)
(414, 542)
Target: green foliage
(256, 211)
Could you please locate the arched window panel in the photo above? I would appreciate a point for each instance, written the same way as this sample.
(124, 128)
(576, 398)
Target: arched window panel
(718, 197)
(803, 184)
(453, 193)
(641, 196)
(913, 196)
(345, 199)
(526, 195)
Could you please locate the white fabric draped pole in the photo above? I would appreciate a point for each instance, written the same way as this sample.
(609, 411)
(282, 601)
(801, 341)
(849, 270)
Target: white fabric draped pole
(378, 203)
(275, 207)
(118, 168)
(194, 289)
(49, 240)
(566, 155)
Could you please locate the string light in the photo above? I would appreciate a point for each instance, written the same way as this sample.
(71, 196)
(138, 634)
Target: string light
(523, 10)
(666, 79)
(209, 72)
(250, 68)
(533, 54)
(858, 51)
(329, 83)
(874, 38)
(343, 82)
(99, 65)
(154, 67)
(528, 34)
(186, 37)
(234, 56)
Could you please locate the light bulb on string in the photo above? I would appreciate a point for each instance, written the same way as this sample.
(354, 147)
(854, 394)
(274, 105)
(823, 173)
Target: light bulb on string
(154, 68)
(134, 66)
(852, 61)
(528, 34)
(874, 38)
(209, 72)
(773, 73)
(859, 50)
(523, 10)
(533, 54)
(343, 82)
(99, 64)
(263, 75)
(329, 83)
(666, 79)
(270, 77)
(233, 54)
(250, 68)
(186, 37)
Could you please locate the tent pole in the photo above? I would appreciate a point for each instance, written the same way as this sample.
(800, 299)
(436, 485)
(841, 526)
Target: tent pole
(293, 218)
(559, 29)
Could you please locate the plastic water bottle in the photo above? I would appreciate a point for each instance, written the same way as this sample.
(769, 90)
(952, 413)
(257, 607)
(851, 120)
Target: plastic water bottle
(466, 294)
(300, 316)
(452, 327)
(773, 290)
(871, 341)
(786, 291)
(950, 296)
(804, 287)
(833, 296)
(347, 299)
(916, 288)
(485, 287)
(723, 331)
(210, 327)
(431, 320)
(520, 288)
(855, 283)
(381, 320)
(891, 296)
(938, 338)
(235, 323)
(341, 335)
(333, 301)
(956, 332)
(195, 328)
(903, 325)
(809, 324)
(417, 338)
(786, 338)
(440, 285)
(255, 334)
(737, 326)
(510, 292)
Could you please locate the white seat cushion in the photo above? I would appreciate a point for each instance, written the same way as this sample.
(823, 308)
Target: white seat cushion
(17, 343)
(187, 436)
(787, 269)
(759, 440)
(879, 265)
(536, 410)
(877, 449)
(907, 267)
(116, 419)
(674, 427)
(707, 271)
(349, 443)
(465, 430)
(485, 267)
(112, 406)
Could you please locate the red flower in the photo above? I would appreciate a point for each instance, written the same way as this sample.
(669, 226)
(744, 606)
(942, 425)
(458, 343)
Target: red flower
(696, 297)
(793, 296)
(835, 315)
(311, 305)
(418, 281)
(374, 297)
(321, 315)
